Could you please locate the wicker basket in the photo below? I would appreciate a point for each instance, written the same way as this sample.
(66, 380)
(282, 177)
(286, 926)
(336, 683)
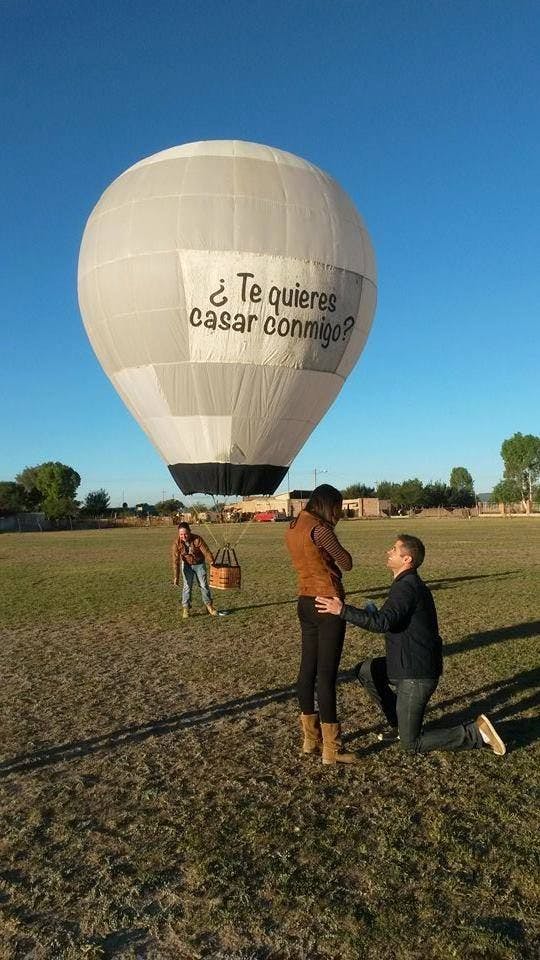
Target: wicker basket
(225, 573)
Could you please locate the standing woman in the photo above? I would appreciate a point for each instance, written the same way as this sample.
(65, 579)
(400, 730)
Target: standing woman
(317, 555)
(190, 554)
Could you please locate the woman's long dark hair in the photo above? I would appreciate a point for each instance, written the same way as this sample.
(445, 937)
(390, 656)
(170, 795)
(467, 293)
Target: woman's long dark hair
(325, 503)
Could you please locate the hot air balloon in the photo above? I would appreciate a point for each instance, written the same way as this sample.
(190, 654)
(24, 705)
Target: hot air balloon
(228, 289)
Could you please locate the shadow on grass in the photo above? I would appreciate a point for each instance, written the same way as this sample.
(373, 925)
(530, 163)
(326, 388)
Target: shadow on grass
(492, 698)
(48, 756)
(378, 592)
(496, 699)
(518, 631)
(112, 942)
(508, 929)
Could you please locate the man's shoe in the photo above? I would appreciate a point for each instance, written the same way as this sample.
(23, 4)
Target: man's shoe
(211, 609)
(185, 613)
(388, 736)
(490, 736)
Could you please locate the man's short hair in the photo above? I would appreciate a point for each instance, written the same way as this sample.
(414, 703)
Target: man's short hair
(414, 547)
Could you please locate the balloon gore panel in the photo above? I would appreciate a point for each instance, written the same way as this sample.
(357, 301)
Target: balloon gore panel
(227, 479)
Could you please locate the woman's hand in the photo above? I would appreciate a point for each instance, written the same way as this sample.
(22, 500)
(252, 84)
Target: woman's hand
(329, 605)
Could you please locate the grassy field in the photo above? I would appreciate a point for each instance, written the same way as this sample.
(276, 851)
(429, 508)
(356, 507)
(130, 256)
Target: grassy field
(154, 803)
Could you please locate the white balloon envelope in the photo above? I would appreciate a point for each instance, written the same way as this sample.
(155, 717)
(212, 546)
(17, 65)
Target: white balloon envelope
(228, 289)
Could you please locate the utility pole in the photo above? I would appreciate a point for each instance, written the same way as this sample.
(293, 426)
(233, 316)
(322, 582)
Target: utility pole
(315, 475)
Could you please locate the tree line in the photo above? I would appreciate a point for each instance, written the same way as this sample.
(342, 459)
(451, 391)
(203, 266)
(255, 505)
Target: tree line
(521, 457)
(51, 488)
(413, 494)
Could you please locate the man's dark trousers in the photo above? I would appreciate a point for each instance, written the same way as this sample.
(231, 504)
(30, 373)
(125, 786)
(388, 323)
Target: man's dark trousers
(403, 702)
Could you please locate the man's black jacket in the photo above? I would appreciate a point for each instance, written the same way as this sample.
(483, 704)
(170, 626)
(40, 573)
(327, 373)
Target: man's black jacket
(408, 619)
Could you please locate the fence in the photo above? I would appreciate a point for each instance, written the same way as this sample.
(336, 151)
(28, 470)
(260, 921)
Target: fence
(505, 509)
(24, 523)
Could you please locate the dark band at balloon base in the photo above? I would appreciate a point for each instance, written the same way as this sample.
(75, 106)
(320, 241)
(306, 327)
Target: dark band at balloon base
(227, 479)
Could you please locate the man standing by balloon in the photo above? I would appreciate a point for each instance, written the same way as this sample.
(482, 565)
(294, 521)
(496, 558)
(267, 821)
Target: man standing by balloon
(191, 553)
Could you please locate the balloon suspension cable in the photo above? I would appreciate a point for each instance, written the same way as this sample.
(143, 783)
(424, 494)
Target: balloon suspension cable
(226, 538)
(194, 511)
(221, 513)
(244, 531)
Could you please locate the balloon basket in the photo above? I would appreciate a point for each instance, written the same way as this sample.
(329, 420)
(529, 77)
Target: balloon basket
(225, 572)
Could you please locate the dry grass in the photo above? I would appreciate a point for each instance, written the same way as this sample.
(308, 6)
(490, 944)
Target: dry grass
(154, 804)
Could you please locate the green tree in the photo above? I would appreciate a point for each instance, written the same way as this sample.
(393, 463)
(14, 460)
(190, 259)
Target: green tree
(168, 508)
(198, 507)
(13, 498)
(460, 479)
(461, 488)
(29, 477)
(521, 456)
(28, 480)
(410, 493)
(436, 494)
(56, 483)
(386, 490)
(357, 490)
(96, 503)
(507, 491)
(462, 498)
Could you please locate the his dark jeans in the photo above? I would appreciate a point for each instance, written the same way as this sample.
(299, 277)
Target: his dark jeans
(322, 644)
(404, 702)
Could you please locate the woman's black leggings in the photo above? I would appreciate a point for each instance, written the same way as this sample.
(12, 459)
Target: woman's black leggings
(322, 643)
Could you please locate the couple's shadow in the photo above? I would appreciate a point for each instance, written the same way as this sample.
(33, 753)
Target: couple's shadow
(499, 699)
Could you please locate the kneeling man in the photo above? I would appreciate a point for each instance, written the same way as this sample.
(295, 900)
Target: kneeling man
(402, 682)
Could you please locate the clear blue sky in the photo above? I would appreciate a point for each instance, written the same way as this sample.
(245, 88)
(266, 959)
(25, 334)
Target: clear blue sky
(428, 115)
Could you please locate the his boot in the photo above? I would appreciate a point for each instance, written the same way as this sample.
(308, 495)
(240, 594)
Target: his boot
(211, 609)
(185, 613)
(333, 751)
(311, 728)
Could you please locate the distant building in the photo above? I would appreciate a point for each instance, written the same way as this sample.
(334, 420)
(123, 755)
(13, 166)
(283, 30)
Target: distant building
(282, 504)
(291, 503)
(201, 516)
(145, 510)
(366, 507)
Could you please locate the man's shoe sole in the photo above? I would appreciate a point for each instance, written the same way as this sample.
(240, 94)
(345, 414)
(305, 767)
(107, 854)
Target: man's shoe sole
(388, 737)
(494, 741)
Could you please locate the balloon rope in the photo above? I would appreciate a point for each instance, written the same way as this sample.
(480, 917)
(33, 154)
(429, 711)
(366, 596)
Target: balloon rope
(218, 544)
(204, 524)
(226, 540)
(244, 531)
(220, 513)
